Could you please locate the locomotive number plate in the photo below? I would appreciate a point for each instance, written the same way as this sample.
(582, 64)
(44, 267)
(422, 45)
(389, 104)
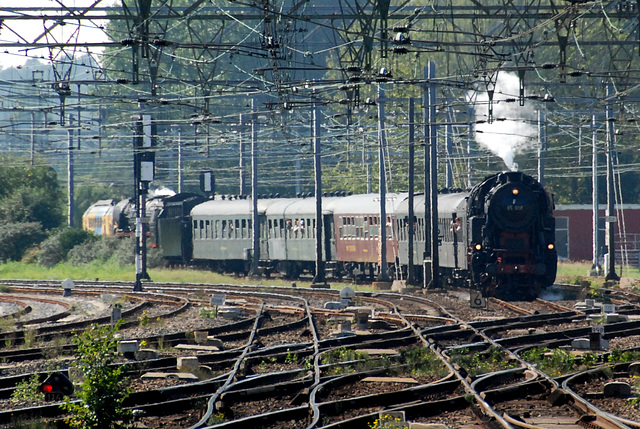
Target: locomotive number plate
(476, 300)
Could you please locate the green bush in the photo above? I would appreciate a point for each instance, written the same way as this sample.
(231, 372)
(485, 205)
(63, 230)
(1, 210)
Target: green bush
(56, 248)
(118, 249)
(105, 386)
(16, 238)
(154, 258)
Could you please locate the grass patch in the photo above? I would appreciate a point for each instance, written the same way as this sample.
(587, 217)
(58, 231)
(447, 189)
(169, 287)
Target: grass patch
(570, 272)
(112, 271)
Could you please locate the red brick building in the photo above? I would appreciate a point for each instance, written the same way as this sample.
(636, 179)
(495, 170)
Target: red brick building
(574, 233)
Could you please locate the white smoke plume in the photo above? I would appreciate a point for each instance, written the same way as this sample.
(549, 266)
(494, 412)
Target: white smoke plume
(514, 128)
(163, 191)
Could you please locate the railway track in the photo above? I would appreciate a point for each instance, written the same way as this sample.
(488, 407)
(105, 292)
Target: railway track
(285, 358)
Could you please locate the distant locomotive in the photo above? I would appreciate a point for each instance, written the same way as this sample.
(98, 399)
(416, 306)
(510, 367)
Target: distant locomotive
(499, 238)
(118, 218)
(109, 217)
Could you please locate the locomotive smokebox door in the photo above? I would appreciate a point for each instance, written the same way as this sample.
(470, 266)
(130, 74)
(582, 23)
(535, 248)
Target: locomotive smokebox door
(476, 300)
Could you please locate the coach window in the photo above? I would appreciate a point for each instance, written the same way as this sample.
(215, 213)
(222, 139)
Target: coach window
(237, 228)
(250, 229)
(207, 229)
(313, 232)
(216, 228)
(405, 229)
(201, 230)
(376, 227)
(244, 228)
(271, 229)
(230, 224)
(224, 229)
(195, 229)
(288, 228)
(444, 232)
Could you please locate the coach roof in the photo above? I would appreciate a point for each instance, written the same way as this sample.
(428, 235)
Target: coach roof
(219, 207)
(368, 204)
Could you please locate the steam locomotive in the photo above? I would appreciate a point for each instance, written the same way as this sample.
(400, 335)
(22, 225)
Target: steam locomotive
(498, 238)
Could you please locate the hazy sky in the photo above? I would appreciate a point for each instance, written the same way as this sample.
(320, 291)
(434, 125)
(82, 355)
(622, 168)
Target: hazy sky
(14, 30)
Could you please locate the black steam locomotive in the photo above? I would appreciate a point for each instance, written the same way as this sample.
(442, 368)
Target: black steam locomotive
(499, 238)
(512, 236)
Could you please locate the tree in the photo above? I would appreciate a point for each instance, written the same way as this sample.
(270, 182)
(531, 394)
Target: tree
(29, 193)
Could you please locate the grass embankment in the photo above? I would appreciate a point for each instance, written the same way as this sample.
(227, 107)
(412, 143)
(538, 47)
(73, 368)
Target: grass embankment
(112, 271)
(574, 272)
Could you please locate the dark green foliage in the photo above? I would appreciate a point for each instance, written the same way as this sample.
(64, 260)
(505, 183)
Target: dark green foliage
(29, 194)
(105, 386)
(30, 205)
(16, 238)
(56, 248)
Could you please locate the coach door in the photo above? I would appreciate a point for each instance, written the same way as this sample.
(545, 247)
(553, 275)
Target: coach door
(264, 241)
(329, 243)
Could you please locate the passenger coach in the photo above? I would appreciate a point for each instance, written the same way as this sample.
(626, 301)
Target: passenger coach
(357, 227)
(222, 233)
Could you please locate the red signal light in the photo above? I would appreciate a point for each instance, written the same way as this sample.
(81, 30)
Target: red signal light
(47, 388)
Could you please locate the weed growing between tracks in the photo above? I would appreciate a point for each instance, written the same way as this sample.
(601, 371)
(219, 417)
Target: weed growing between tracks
(104, 387)
(422, 361)
(417, 361)
(28, 391)
(494, 359)
(387, 421)
(557, 362)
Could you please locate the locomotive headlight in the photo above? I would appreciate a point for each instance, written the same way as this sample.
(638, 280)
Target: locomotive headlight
(515, 191)
(478, 246)
(551, 246)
